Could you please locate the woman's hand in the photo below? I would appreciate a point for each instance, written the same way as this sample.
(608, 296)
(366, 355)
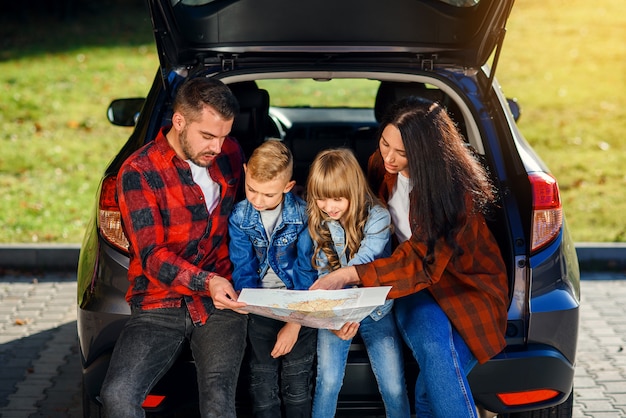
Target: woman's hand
(337, 279)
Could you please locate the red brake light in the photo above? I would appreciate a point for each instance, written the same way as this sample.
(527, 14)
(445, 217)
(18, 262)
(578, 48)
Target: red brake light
(528, 397)
(152, 401)
(109, 217)
(107, 194)
(547, 210)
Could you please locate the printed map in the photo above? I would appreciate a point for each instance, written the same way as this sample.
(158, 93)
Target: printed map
(329, 309)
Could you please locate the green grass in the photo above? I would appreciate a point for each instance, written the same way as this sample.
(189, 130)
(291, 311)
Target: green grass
(564, 61)
(57, 78)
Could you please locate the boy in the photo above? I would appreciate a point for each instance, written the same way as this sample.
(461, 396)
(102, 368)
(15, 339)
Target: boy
(270, 247)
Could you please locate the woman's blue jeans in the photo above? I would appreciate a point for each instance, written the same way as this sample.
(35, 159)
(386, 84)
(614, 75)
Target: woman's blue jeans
(384, 348)
(443, 357)
(149, 345)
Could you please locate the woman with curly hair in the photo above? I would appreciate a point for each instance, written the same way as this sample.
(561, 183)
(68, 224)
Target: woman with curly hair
(447, 275)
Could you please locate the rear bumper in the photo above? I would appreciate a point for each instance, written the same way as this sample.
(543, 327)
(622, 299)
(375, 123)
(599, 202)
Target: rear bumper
(537, 367)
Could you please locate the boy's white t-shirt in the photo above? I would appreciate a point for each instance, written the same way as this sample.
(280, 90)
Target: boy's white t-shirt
(210, 189)
(398, 205)
(270, 218)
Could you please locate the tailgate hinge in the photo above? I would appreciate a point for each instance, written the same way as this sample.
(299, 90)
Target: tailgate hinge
(228, 63)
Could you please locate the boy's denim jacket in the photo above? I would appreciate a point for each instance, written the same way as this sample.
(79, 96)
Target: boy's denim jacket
(288, 251)
(376, 243)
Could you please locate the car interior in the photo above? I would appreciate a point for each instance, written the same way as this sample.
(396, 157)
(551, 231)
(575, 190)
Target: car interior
(254, 124)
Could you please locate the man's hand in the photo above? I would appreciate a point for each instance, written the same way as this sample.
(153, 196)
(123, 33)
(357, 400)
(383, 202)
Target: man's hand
(337, 279)
(224, 295)
(348, 331)
(286, 339)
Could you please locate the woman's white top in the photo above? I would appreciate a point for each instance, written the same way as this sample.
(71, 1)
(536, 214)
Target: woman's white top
(398, 205)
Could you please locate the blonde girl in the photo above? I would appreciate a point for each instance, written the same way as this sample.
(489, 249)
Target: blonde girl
(349, 226)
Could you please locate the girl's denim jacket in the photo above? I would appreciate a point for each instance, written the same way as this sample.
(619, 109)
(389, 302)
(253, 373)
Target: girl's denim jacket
(376, 243)
(288, 251)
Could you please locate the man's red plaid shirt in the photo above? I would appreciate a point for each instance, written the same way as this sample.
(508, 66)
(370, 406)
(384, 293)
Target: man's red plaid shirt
(176, 247)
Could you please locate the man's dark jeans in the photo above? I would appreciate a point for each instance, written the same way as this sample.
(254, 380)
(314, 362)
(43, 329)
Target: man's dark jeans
(294, 370)
(150, 343)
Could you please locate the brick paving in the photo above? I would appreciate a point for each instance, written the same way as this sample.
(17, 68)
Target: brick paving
(40, 373)
(600, 379)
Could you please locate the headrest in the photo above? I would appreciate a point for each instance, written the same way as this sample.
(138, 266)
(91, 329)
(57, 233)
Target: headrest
(253, 99)
(243, 86)
(391, 91)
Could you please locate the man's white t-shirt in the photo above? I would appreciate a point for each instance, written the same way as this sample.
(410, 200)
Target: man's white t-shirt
(210, 189)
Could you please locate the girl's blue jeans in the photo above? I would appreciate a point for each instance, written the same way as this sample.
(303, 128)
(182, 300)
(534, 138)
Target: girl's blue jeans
(384, 348)
(149, 345)
(444, 359)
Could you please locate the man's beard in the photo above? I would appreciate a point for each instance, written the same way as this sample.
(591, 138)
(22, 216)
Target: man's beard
(196, 159)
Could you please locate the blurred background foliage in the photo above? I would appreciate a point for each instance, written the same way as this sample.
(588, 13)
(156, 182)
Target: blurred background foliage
(63, 61)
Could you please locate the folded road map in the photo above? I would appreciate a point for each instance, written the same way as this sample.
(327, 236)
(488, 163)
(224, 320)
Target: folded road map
(329, 309)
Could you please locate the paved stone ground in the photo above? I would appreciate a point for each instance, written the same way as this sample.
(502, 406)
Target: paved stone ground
(600, 379)
(40, 372)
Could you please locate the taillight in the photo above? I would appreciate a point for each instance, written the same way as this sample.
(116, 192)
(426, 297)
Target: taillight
(153, 401)
(547, 210)
(528, 397)
(109, 217)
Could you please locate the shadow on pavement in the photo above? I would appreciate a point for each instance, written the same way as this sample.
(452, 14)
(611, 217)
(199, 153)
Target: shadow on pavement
(41, 374)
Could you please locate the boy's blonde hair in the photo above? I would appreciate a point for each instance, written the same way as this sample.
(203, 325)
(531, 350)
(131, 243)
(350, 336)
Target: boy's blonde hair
(336, 173)
(270, 160)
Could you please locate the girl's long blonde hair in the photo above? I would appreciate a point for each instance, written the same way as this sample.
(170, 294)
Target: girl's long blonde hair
(336, 173)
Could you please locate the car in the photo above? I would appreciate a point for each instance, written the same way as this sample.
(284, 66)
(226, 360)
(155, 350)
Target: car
(320, 74)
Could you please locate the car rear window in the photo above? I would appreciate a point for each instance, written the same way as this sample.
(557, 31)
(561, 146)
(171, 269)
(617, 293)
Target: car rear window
(357, 93)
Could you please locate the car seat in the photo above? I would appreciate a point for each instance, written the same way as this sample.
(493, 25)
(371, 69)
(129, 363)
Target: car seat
(250, 125)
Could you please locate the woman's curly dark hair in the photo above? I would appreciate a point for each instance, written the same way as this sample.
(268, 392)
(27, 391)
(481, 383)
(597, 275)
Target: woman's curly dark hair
(448, 182)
